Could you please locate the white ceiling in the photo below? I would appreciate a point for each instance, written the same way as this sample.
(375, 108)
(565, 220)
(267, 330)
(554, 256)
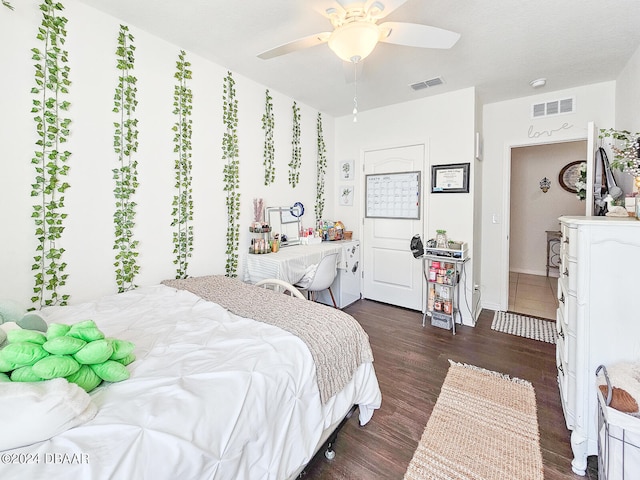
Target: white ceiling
(504, 45)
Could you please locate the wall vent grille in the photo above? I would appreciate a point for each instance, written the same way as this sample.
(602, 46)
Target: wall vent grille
(553, 107)
(432, 82)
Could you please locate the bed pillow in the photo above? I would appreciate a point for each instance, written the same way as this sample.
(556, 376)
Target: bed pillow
(62, 351)
(33, 412)
(63, 345)
(85, 378)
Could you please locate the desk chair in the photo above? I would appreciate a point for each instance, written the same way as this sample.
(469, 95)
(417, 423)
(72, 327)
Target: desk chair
(280, 285)
(323, 277)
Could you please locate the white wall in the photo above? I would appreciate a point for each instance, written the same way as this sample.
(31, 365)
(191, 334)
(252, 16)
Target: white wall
(628, 106)
(628, 95)
(446, 125)
(508, 124)
(88, 236)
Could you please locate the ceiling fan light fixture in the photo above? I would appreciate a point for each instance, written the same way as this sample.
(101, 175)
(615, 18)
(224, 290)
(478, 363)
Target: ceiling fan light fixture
(354, 40)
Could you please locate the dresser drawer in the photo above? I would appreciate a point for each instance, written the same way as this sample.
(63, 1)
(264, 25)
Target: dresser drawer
(563, 351)
(564, 348)
(568, 243)
(567, 387)
(567, 308)
(568, 273)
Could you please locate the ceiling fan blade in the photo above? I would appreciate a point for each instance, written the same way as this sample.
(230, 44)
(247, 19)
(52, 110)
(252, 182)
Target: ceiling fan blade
(324, 6)
(300, 44)
(415, 35)
(388, 6)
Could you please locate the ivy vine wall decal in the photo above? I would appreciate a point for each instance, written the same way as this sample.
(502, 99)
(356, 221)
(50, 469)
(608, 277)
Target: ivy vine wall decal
(125, 144)
(183, 200)
(321, 169)
(230, 154)
(296, 150)
(268, 124)
(50, 158)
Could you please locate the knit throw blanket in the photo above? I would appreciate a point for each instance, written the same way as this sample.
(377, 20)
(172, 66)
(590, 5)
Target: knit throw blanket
(338, 344)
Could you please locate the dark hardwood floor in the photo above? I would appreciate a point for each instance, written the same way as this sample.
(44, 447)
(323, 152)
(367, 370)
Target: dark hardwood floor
(411, 363)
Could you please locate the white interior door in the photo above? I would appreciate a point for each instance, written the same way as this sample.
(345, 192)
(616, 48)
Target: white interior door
(391, 273)
(592, 137)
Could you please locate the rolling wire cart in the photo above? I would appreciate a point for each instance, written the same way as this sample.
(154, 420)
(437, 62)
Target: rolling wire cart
(618, 439)
(443, 288)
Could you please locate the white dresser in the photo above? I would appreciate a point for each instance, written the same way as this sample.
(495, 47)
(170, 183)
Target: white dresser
(598, 317)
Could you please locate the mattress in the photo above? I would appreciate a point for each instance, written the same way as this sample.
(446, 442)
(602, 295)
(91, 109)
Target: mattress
(211, 395)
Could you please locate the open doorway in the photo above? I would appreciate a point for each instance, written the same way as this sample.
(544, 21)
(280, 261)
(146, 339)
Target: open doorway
(533, 247)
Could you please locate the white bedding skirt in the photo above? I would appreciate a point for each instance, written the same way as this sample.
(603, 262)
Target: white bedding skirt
(211, 395)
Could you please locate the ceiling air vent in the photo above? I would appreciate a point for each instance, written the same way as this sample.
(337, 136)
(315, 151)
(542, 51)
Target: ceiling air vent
(553, 107)
(432, 82)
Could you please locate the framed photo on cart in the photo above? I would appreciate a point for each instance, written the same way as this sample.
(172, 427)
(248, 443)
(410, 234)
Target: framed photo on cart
(450, 178)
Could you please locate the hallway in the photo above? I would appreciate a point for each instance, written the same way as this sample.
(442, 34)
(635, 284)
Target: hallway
(533, 295)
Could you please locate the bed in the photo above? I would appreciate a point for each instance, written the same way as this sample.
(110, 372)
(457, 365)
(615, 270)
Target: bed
(214, 392)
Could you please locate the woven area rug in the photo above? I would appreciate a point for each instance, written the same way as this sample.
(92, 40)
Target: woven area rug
(524, 326)
(484, 426)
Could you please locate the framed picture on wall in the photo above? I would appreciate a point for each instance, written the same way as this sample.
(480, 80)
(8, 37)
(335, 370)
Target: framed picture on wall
(569, 175)
(451, 178)
(347, 170)
(346, 195)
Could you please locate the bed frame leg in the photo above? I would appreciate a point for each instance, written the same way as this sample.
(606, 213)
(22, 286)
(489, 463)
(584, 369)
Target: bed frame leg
(330, 453)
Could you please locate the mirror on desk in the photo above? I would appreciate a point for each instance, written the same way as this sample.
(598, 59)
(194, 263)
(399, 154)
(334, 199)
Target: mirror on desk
(285, 221)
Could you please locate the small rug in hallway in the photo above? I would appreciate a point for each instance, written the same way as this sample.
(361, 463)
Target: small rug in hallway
(524, 326)
(484, 426)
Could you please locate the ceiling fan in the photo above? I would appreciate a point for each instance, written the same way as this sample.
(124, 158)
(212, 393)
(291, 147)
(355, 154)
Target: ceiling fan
(356, 31)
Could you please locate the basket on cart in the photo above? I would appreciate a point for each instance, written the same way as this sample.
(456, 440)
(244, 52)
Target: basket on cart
(618, 439)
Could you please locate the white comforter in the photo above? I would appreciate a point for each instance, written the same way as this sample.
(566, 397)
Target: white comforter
(211, 395)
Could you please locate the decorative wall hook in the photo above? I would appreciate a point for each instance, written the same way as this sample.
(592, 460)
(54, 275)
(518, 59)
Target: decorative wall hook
(545, 184)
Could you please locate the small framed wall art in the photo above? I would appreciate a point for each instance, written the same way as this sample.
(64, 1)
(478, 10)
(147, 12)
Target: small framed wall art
(347, 170)
(346, 195)
(450, 178)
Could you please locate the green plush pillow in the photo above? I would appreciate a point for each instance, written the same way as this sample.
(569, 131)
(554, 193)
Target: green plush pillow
(86, 331)
(20, 335)
(94, 352)
(111, 371)
(4, 378)
(25, 374)
(85, 378)
(6, 365)
(57, 330)
(126, 360)
(56, 366)
(24, 353)
(64, 345)
(121, 348)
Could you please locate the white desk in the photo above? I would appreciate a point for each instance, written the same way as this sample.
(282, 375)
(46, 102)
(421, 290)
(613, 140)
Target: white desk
(289, 263)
